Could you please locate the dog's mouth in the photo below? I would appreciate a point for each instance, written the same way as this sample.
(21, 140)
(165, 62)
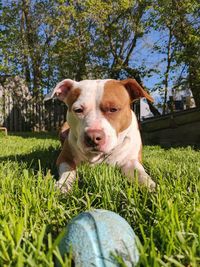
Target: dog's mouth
(94, 149)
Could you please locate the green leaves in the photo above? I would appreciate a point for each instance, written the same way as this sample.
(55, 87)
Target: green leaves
(47, 41)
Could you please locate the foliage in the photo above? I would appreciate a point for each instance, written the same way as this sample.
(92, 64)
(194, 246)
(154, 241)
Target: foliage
(182, 21)
(46, 41)
(33, 213)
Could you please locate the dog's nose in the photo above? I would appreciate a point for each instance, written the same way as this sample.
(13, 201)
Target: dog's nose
(94, 138)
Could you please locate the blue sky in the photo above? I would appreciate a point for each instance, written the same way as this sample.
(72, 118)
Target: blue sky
(144, 55)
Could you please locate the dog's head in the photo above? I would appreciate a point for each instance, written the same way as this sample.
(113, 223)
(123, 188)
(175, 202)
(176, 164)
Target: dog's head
(98, 110)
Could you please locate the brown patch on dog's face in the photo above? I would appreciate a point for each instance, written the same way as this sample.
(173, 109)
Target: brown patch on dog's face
(115, 105)
(72, 97)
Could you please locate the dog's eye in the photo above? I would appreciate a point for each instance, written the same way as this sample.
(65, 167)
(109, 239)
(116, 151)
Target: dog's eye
(112, 110)
(78, 110)
(108, 109)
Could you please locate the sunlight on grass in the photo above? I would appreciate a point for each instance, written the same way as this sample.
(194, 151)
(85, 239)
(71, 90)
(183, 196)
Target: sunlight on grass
(33, 213)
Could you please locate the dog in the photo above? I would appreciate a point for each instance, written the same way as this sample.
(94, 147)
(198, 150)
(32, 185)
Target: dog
(101, 127)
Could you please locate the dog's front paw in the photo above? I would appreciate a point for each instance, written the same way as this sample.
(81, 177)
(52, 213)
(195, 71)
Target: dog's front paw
(66, 181)
(145, 179)
(63, 187)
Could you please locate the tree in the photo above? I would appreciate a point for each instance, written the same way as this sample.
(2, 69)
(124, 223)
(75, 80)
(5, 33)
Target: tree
(188, 35)
(184, 16)
(46, 41)
(50, 40)
(167, 47)
(101, 39)
(26, 39)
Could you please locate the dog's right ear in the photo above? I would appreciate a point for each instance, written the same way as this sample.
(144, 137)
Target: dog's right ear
(61, 90)
(135, 90)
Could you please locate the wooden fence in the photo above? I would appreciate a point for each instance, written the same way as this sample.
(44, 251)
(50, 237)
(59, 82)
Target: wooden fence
(30, 115)
(175, 129)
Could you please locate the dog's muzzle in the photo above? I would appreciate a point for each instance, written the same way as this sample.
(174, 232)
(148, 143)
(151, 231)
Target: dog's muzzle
(94, 138)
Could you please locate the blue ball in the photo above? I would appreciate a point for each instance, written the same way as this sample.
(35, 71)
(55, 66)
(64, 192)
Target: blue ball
(100, 238)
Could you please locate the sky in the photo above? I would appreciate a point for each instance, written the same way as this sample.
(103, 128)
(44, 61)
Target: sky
(144, 53)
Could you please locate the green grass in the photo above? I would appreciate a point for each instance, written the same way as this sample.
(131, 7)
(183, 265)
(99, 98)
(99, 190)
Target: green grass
(33, 213)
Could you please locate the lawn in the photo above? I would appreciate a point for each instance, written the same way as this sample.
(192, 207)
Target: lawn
(33, 213)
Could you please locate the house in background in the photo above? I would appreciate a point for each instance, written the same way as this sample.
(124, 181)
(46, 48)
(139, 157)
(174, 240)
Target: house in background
(180, 98)
(145, 111)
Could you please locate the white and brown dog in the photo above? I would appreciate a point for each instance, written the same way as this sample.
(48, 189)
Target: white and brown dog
(102, 127)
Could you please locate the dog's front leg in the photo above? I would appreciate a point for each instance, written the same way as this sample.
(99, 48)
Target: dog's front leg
(67, 177)
(143, 178)
(66, 167)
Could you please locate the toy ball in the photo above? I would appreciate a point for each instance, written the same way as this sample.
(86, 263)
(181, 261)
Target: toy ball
(100, 238)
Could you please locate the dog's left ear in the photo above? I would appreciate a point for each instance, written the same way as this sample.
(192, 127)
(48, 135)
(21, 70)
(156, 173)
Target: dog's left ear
(135, 90)
(61, 90)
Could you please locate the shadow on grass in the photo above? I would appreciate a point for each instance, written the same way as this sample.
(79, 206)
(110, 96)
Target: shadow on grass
(44, 158)
(169, 146)
(40, 157)
(39, 135)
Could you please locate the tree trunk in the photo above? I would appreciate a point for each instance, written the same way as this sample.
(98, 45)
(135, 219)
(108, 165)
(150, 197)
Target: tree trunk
(194, 82)
(33, 47)
(26, 67)
(169, 58)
